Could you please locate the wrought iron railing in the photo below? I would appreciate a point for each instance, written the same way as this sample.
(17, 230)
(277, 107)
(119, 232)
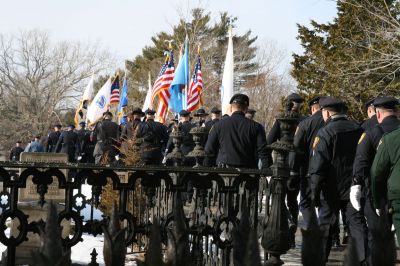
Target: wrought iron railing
(220, 196)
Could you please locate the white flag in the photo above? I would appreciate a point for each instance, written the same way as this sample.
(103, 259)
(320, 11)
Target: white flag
(88, 93)
(100, 103)
(147, 102)
(227, 78)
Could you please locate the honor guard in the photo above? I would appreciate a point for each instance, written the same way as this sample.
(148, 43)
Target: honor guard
(155, 138)
(52, 139)
(385, 178)
(85, 151)
(68, 143)
(106, 133)
(215, 117)
(331, 166)
(239, 142)
(201, 116)
(129, 129)
(386, 111)
(16, 151)
(371, 121)
(298, 162)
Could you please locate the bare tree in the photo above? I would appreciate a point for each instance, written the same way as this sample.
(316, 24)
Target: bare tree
(39, 79)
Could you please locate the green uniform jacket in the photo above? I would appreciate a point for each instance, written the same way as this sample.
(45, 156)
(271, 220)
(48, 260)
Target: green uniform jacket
(385, 170)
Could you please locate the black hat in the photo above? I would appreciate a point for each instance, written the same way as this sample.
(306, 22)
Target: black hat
(240, 99)
(184, 113)
(314, 100)
(386, 102)
(294, 97)
(107, 113)
(215, 110)
(58, 125)
(332, 103)
(137, 111)
(71, 126)
(82, 123)
(201, 112)
(150, 112)
(369, 103)
(251, 111)
(18, 141)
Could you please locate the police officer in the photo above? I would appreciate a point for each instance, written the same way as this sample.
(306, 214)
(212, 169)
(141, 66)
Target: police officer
(239, 142)
(273, 136)
(155, 138)
(52, 139)
(386, 110)
(128, 130)
(215, 117)
(201, 116)
(85, 152)
(298, 162)
(16, 151)
(385, 177)
(250, 113)
(371, 121)
(106, 133)
(331, 165)
(68, 143)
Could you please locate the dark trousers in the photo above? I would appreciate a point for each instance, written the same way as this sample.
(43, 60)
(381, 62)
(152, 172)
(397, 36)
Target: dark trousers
(335, 229)
(293, 206)
(355, 220)
(306, 208)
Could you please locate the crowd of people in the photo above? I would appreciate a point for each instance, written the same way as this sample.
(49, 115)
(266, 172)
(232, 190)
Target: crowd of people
(332, 172)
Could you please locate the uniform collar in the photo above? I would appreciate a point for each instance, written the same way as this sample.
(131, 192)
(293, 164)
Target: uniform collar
(389, 119)
(337, 117)
(238, 113)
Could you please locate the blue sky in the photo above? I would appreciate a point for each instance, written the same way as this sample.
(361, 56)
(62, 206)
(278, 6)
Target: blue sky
(125, 26)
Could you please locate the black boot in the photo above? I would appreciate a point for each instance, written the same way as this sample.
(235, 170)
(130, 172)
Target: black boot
(292, 235)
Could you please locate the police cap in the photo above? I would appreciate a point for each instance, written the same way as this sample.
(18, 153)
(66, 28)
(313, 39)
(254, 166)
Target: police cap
(71, 126)
(314, 100)
(82, 123)
(215, 110)
(137, 111)
(333, 104)
(386, 102)
(58, 125)
(201, 112)
(294, 97)
(150, 112)
(370, 103)
(107, 113)
(251, 111)
(18, 141)
(184, 113)
(240, 99)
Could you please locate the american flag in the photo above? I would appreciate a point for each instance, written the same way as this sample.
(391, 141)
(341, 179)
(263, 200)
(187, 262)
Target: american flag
(115, 91)
(161, 87)
(195, 88)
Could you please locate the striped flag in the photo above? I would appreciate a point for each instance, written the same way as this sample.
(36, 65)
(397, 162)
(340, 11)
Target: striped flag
(161, 87)
(115, 91)
(195, 88)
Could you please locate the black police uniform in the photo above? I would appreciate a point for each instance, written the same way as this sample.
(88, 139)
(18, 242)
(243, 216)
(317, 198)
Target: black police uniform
(370, 123)
(86, 146)
(129, 129)
(52, 141)
(68, 143)
(330, 167)
(15, 153)
(298, 162)
(155, 138)
(366, 150)
(106, 133)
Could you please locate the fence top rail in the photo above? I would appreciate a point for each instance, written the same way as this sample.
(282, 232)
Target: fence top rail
(135, 168)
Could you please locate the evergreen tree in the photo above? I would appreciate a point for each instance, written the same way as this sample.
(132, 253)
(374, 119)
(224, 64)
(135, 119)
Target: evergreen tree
(342, 59)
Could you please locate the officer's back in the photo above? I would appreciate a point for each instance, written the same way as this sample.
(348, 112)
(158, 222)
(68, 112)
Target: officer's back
(237, 140)
(53, 139)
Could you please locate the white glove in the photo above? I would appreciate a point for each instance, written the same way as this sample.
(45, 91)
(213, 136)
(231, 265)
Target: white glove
(378, 212)
(117, 157)
(164, 161)
(79, 158)
(355, 196)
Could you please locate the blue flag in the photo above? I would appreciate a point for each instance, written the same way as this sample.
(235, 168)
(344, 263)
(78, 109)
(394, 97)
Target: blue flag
(178, 100)
(123, 100)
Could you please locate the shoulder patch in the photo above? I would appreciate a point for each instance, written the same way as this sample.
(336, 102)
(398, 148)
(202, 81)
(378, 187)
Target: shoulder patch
(361, 138)
(316, 141)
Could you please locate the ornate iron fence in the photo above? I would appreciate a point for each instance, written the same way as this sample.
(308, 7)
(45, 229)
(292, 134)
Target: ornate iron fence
(219, 198)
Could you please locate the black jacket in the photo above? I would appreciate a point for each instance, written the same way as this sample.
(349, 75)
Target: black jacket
(15, 153)
(370, 123)
(303, 141)
(129, 129)
(187, 140)
(155, 138)
(238, 142)
(366, 148)
(52, 141)
(332, 159)
(68, 143)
